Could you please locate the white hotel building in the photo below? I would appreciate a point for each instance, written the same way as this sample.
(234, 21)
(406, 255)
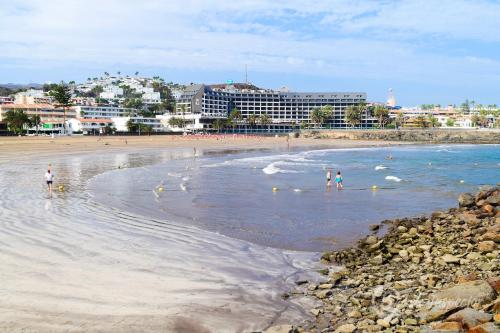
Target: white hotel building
(91, 119)
(202, 104)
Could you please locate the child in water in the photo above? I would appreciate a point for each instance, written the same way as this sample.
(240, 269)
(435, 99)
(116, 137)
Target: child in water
(338, 180)
(49, 177)
(329, 177)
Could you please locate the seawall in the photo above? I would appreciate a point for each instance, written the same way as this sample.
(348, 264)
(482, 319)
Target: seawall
(410, 135)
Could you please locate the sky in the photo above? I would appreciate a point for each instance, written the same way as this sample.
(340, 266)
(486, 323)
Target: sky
(427, 51)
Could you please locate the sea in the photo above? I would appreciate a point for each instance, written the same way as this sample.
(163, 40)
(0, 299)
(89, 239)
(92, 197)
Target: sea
(281, 199)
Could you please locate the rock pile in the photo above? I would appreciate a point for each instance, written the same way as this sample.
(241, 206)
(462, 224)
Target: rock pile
(429, 274)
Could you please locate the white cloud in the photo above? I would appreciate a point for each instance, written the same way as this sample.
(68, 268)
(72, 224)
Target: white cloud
(338, 38)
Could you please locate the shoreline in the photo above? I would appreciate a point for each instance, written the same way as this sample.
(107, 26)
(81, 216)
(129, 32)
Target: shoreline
(67, 148)
(29, 146)
(434, 273)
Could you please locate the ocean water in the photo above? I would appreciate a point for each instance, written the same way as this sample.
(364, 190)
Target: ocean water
(233, 194)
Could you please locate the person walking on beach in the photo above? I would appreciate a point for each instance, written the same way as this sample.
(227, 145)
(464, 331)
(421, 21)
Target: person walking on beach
(49, 177)
(329, 177)
(338, 181)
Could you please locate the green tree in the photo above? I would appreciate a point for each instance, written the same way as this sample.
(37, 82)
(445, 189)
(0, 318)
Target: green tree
(421, 121)
(354, 114)
(321, 115)
(62, 96)
(382, 114)
(400, 119)
(465, 107)
(265, 120)
(475, 120)
(219, 124)
(483, 120)
(234, 117)
(16, 121)
(252, 120)
(450, 122)
(434, 122)
(133, 103)
(327, 111)
(177, 122)
(316, 116)
(35, 121)
(148, 129)
(131, 126)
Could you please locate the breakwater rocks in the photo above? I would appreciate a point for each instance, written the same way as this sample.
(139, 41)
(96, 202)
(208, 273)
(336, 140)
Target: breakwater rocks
(410, 135)
(438, 273)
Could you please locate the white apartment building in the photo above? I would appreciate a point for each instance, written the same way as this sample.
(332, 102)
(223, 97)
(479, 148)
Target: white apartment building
(151, 97)
(111, 92)
(100, 112)
(32, 96)
(193, 122)
(121, 123)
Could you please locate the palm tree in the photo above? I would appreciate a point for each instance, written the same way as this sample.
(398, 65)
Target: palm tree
(265, 120)
(136, 73)
(62, 95)
(252, 120)
(400, 119)
(36, 121)
(420, 121)
(382, 114)
(353, 115)
(433, 120)
(235, 117)
(16, 120)
(218, 124)
(118, 73)
(317, 116)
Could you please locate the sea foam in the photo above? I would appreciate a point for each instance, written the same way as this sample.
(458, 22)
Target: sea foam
(380, 167)
(393, 178)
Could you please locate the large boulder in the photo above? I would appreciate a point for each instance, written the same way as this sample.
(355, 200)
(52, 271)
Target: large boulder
(478, 291)
(470, 317)
(485, 328)
(466, 200)
(447, 301)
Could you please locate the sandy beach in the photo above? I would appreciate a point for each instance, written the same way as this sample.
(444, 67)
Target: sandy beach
(70, 264)
(35, 146)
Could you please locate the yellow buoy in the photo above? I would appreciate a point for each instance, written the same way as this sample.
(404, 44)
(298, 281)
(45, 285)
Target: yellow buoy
(374, 187)
(160, 189)
(275, 189)
(61, 188)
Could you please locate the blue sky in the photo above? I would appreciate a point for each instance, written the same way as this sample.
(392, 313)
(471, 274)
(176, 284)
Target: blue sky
(427, 51)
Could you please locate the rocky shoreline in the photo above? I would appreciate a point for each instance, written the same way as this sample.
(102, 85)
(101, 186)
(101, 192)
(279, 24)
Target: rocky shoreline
(438, 273)
(434, 135)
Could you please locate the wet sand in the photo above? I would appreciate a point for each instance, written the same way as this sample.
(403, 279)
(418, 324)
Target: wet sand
(70, 264)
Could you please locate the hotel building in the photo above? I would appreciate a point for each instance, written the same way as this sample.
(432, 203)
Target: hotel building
(52, 119)
(286, 110)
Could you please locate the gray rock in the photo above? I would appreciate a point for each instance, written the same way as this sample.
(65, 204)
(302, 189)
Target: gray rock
(323, 293)
(281, 329)
(465, 200)
(466, 293)
(346, 328)
(470, 317)
(370, 240)
(450, 259)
